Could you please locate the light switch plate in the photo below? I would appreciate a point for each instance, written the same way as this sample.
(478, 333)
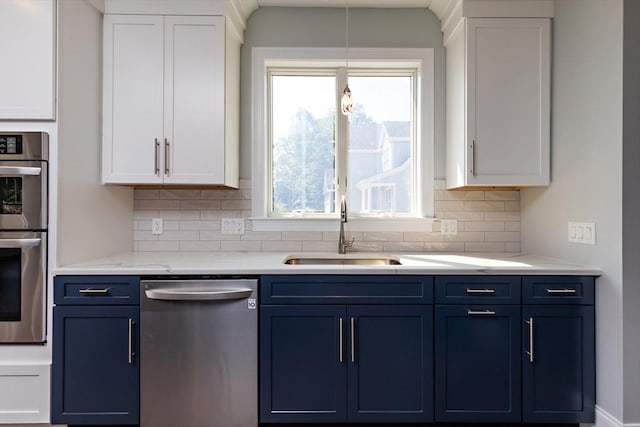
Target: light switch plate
(582, 232)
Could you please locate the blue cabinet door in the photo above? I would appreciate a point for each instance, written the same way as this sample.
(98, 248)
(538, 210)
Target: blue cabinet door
(95, 371)
(390, 359)
(303, 363)
(478, 364)
(558, 364)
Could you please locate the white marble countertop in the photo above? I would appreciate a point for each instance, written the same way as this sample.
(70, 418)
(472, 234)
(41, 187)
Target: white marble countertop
(254, 263)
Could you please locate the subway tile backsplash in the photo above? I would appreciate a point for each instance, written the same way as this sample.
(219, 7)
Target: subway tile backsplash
(488, 221)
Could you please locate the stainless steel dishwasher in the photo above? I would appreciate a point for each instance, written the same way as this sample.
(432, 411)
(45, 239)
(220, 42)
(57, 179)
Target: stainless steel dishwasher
(198, 353)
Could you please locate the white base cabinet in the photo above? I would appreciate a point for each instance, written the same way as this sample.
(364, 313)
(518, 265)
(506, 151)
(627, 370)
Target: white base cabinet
(27, 75)
(498, 102)
(166, 117)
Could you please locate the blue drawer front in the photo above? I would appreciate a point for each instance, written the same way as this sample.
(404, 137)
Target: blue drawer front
(477, 290)
(96, 290)
(565, 290)
(324, 289)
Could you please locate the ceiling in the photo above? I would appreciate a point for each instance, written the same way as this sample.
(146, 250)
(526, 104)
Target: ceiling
(439, 7)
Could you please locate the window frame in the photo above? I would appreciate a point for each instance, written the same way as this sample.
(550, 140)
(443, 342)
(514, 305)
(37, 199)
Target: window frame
(319, 58)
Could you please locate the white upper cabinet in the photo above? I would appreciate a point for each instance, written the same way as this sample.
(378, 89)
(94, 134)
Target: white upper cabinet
(27, 46)
(498, 98)
(165, 117)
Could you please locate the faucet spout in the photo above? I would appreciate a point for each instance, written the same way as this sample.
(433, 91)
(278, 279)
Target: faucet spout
(342, 243)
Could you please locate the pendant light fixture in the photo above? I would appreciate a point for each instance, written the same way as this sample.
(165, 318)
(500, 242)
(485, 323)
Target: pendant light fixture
(346, 103)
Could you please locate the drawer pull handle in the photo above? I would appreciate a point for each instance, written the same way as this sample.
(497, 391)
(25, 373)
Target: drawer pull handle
(131, 352)
(481, 291)
(353, 340)
(561, 291)
(530, 352)
(94, 291)
(481, 313)
(341, 339)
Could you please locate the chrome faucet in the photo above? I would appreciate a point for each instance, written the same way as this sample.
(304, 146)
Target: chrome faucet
(342, 243)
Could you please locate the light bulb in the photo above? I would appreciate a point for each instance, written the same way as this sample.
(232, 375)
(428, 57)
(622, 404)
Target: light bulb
(346, 103)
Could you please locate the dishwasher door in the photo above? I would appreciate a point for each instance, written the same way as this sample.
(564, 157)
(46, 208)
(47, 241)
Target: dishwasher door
(198, 353)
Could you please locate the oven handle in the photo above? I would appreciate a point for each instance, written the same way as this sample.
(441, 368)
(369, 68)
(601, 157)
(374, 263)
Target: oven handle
(19, 170)
(19, 243)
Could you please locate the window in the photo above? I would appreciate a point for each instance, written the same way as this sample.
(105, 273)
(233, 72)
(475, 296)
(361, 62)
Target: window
(307, 155)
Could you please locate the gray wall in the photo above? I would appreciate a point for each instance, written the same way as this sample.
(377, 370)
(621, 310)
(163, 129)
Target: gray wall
(93, 220)
(325, 27)
(586, 175)
(631, 210)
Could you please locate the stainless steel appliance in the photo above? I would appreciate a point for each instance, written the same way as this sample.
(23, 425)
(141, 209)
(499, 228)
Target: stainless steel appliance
(198, 353)
(23, 236)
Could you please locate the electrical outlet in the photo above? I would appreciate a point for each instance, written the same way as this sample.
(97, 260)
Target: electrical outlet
(582, 232)
(232, 225)
(449, 227)
(156, 225)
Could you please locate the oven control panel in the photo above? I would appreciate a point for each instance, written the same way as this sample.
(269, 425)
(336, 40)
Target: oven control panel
(10, 144)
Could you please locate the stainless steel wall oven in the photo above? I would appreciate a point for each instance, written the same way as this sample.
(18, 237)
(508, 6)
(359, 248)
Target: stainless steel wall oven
(23, 236)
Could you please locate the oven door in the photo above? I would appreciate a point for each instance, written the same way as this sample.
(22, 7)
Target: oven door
(23, 195)
(23, 269)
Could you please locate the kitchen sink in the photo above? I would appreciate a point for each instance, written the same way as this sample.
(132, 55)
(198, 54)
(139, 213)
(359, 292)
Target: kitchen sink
(341, 260)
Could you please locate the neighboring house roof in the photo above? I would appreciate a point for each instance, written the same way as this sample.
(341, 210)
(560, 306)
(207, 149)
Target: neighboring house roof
(383, 177)
(364, 136)
(396, 129)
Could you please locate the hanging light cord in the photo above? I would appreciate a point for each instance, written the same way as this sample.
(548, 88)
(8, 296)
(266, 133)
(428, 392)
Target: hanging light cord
(347, 33)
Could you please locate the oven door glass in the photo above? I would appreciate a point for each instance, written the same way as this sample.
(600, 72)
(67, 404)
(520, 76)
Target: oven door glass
(22, 287)
(22, 192)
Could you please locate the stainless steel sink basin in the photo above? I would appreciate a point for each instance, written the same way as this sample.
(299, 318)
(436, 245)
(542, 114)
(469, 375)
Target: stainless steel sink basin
(315, 260)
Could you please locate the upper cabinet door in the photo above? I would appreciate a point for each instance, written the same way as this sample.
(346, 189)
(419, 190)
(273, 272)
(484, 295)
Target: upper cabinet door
(194, 99)
(27, 44)
(498, 103)
(133, 99)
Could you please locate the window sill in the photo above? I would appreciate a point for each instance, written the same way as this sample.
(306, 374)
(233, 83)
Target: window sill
(355, 224)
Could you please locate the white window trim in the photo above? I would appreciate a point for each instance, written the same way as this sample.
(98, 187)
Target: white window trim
(265, 57)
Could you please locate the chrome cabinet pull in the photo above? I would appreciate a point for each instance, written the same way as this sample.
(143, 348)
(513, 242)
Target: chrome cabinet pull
(530, 352)
(341, 340)
(481, 291)
(131, 352)
(481, 313)
(156, 157)
(561, 291)
(353, 340)
(472, 164)
(166, 156)
(90, 291)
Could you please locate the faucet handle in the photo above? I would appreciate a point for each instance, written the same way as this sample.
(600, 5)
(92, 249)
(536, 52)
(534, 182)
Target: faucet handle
(349, 244)
(343, 209)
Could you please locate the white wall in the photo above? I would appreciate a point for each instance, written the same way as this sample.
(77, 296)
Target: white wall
(586, 174)
(93, 220)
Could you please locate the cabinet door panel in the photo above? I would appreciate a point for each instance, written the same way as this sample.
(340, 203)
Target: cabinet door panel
(301, 375)
(133, 98)
(194, 99)
(390, 374)
(93, 379)
(477, 364)
(559, 383)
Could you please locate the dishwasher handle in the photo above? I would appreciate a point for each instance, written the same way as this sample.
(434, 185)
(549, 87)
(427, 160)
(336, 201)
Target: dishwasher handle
(191, 294)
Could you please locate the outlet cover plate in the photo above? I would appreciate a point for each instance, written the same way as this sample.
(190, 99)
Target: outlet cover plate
(449, 227)
(232, 226)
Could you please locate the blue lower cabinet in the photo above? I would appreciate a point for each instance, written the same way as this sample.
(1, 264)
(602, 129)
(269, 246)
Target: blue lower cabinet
(390, 373)
(336, 364)
(558, 364)
(478, 364)
(95, 370)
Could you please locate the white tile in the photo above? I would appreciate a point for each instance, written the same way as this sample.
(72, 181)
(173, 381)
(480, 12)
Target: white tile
(439, 184)
(178, 215)
(319, 246)
(282, 246)
(463, 215)
(383, 236)
(502, 216)
(179, 235)
(143, 193)
(245, 183)
(512, 205)
(217, 235)
(483, 226)
(502, 195)
(246, 194)
(449, 205)
(466, 236)
(158, 246)
(236, 204)
(502, 236)
(262, 235)
(360, 246)
(512, 247)
(425, 236)
(484, 247)
(140, 214)
(221, 194)
(438, 195)
(483, 206)
(199, 204)
(242, 246)
(200, 245)
(218, 214)
(512, 226)
(463, 195)
(140, 235)
(179, 194)
(142, 225)
(301, 235)
(444, 246)
(199, 225)
(158, 204)
(403, 246)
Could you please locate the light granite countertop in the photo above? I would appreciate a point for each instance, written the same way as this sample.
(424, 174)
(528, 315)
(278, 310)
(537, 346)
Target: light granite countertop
(255, 263)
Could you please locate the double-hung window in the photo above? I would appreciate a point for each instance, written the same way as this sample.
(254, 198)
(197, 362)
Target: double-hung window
(308, 155)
